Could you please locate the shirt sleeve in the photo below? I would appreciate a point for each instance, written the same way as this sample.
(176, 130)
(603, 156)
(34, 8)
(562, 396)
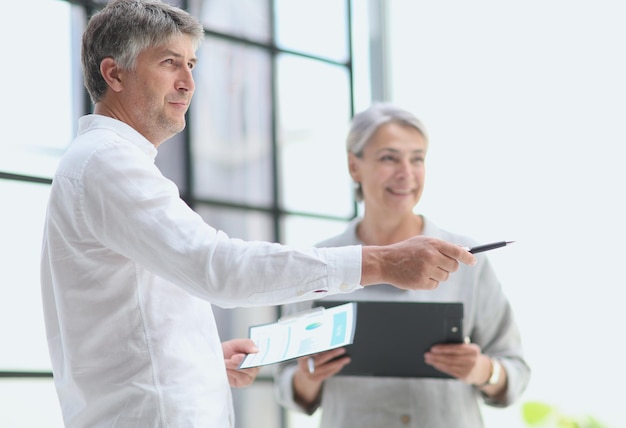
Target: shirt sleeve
(128, 205)
(497, 333)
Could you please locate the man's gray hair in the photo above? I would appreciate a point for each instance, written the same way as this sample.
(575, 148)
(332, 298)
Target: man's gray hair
(123, 29)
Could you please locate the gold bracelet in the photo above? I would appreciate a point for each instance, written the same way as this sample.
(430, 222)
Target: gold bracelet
(496, 370)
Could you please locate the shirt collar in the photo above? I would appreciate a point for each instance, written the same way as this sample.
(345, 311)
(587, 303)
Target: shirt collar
(428, 229)
(94, 121)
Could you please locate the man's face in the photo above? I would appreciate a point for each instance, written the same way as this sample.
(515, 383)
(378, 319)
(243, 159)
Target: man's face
(158, 92)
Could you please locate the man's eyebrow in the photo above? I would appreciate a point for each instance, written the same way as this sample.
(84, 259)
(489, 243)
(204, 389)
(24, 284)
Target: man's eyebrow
(390, 149)
(170, 52)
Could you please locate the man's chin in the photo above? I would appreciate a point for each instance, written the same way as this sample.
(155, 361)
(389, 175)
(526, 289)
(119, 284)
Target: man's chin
(177, 126)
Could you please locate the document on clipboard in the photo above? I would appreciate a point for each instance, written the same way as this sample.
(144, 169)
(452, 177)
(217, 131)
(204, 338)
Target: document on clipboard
(391, 337)
(303, 333)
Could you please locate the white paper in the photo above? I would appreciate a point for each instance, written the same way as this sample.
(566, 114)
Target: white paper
(302, 334)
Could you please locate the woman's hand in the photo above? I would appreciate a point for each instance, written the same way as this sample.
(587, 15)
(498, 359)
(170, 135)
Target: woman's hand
(313, 371)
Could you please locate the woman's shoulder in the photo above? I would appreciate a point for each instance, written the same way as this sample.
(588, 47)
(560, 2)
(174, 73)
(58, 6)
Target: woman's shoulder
(347, 237)
(433, 230)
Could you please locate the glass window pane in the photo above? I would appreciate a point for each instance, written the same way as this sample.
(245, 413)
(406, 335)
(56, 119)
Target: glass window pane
(256, 406)
(314, 114)
(22, 215)
(361, 73)
(231, 127)
(233, 323)
(28, 403)
(242, 224)
(171, 161)
(305, 231)
(32, 143)
(245, 18)
(315, 27)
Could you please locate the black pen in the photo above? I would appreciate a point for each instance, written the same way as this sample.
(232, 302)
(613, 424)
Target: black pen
(487, 247)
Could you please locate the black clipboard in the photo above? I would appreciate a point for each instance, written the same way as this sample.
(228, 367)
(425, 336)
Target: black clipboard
(391, 337)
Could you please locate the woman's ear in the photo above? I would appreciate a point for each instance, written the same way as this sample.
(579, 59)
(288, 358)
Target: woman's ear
(353, 167)
(111, 73)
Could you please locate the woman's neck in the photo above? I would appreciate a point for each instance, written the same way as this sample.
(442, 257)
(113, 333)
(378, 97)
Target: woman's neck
(384, 231)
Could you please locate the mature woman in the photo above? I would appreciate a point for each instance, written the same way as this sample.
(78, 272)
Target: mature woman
(386, 157)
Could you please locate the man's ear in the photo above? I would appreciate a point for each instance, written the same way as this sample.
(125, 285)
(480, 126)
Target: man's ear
(353, 167)
(111, 74)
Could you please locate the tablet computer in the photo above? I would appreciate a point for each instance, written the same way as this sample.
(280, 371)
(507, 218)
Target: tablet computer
(391, 338)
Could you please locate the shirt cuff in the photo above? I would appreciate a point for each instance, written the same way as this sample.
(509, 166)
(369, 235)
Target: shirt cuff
(344, 268)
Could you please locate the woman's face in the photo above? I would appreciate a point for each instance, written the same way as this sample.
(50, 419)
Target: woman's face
(391, 170)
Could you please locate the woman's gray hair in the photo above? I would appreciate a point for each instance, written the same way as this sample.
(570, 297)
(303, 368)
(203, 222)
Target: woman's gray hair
(365, 124)
(123, 29)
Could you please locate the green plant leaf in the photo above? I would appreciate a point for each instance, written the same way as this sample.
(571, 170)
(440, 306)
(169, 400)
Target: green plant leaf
(534, 412)
(567, 422)
(594, 423)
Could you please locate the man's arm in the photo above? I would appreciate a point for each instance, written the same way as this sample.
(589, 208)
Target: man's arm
(418, 263)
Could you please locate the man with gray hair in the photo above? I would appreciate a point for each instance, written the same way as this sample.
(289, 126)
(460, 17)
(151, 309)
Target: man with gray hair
(129, 271)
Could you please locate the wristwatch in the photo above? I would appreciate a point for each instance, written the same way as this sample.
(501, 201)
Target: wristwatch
(496, 369)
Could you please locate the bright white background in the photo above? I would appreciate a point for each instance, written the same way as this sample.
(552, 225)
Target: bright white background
(525, 104)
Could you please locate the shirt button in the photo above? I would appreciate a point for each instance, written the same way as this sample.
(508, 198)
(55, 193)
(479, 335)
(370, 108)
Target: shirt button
(405, 419)
(344, 287)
